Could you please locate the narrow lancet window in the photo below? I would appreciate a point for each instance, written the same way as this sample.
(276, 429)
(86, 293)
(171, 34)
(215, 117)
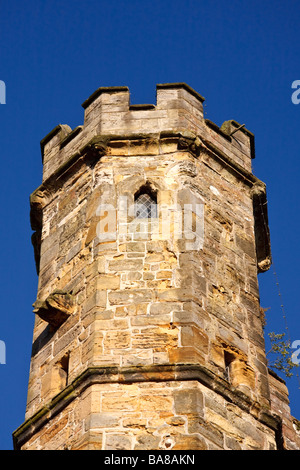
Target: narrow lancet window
(145, 204)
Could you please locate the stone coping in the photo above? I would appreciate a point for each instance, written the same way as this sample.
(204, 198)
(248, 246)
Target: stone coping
(103, 89)
(183, 85)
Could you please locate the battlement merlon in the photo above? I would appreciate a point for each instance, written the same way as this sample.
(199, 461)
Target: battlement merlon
(178, 108)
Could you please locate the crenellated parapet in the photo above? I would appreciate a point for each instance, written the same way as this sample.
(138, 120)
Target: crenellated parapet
(108, 111)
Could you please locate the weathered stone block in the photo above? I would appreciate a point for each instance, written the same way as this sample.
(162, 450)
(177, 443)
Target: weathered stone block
(146, 441)
(191, 442)
(118, 442)
(155, 338)
(185, 355)
(117, 340)
(193, 336)
(101, 420)
(118, 401)
(109, 282)
(130, 296)
(97, 299)
(188, 401)
(156, 402)
(125, 265)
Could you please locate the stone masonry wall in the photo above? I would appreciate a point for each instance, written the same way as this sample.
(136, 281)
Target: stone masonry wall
(150, 415)
(148, 301)
(290, 427)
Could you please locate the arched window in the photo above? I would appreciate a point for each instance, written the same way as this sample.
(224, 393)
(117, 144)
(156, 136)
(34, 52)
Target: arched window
(145, 204)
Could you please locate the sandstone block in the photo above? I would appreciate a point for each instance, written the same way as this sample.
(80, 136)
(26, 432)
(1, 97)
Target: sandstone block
(109, 282)
(160, 338)
(117, 340)
(188, 401)
(185, 355)
(156, 402)
(125, 265)
(130, 296)
(118, 401)
(193, 336)
(101, 420)
(146, 441)
(90, 441)
(135, 247)
(96, 299)
(191, 442)
(161, 308)
(118, 442)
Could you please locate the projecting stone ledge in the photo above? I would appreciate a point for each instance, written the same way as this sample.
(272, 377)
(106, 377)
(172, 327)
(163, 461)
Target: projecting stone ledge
(56, 309)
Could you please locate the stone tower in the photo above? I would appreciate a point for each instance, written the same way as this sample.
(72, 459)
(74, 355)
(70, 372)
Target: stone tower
(149, 231)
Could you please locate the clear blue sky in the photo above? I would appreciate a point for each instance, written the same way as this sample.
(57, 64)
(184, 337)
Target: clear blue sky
(242, 56)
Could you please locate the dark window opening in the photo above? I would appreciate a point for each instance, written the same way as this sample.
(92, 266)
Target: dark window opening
(64, 370)
(228, 359)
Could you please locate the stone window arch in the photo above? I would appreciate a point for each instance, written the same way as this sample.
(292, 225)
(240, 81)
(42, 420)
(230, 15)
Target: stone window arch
(145, 203)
